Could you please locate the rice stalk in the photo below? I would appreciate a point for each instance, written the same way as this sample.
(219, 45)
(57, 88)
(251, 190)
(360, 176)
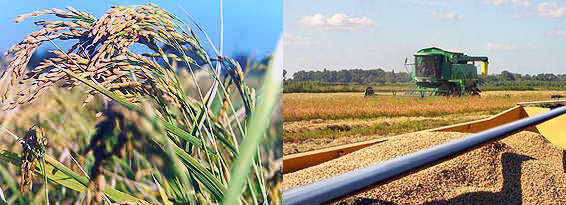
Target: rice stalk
(145, 118)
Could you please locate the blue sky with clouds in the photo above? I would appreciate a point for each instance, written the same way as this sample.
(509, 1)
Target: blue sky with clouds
(249, 26)
(524, 36)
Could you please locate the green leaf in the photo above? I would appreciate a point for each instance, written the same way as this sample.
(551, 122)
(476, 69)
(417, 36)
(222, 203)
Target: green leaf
(162, 193)
(59, 173)
(202, 174)
(258, 124)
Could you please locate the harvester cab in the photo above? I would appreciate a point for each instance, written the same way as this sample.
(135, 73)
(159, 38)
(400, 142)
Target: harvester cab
(439, 72)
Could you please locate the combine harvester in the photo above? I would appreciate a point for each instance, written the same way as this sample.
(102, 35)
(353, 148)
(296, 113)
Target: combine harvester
(530, 116)
(438, 72)
(446, 73)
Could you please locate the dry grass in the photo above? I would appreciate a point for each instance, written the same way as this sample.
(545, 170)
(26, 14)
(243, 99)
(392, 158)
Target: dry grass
(308, 106)
(320, 124)
(303, 136)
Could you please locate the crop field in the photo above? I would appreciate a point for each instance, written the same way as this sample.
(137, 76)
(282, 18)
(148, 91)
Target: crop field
(317, 120)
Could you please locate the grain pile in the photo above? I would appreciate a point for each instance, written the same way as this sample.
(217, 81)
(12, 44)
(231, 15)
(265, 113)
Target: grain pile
(522, 168)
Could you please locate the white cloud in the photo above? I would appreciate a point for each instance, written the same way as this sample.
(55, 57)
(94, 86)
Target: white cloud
(523, 3)
(500, 47)
(290, 39)
(314, 20)
(551, 9)
(446, 15)
(557, 33)
(338, 21)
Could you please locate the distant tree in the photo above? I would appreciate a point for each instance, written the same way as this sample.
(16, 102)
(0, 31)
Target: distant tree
(546, 77)
(359, 76)
(390, 77)
(300, 76)
(517, 76)
(379, 76)
(507, 76)
(344, 76)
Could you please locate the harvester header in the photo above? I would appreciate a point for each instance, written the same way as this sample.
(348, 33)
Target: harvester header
(441, 72)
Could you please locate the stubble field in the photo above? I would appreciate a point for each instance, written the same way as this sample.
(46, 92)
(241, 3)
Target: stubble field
(318, 120)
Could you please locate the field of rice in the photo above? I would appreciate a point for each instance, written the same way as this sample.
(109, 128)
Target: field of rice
(522, 168)
(318, 120)
(309, 106)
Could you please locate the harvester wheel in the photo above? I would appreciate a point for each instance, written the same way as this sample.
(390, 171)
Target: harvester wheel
(369, 92)
(452, 91)
(473, 91)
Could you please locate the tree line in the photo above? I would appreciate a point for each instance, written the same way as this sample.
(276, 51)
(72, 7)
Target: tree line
(509, 76)
(352, 76)
(382, 77)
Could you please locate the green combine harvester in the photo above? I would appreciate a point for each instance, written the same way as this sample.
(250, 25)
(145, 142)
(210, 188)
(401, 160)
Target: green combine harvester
(439, 72)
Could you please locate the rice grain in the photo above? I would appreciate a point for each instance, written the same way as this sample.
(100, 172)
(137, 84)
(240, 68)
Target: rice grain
(522, 168)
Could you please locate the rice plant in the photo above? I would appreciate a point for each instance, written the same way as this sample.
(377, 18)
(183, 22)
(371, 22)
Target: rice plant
(140, 137)
(309, 106)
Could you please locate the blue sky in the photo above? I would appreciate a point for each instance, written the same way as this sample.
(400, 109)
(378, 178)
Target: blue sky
(251, 26)
(524, 36)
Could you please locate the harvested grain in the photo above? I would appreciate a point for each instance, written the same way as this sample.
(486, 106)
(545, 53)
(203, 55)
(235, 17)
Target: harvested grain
(522, 168)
